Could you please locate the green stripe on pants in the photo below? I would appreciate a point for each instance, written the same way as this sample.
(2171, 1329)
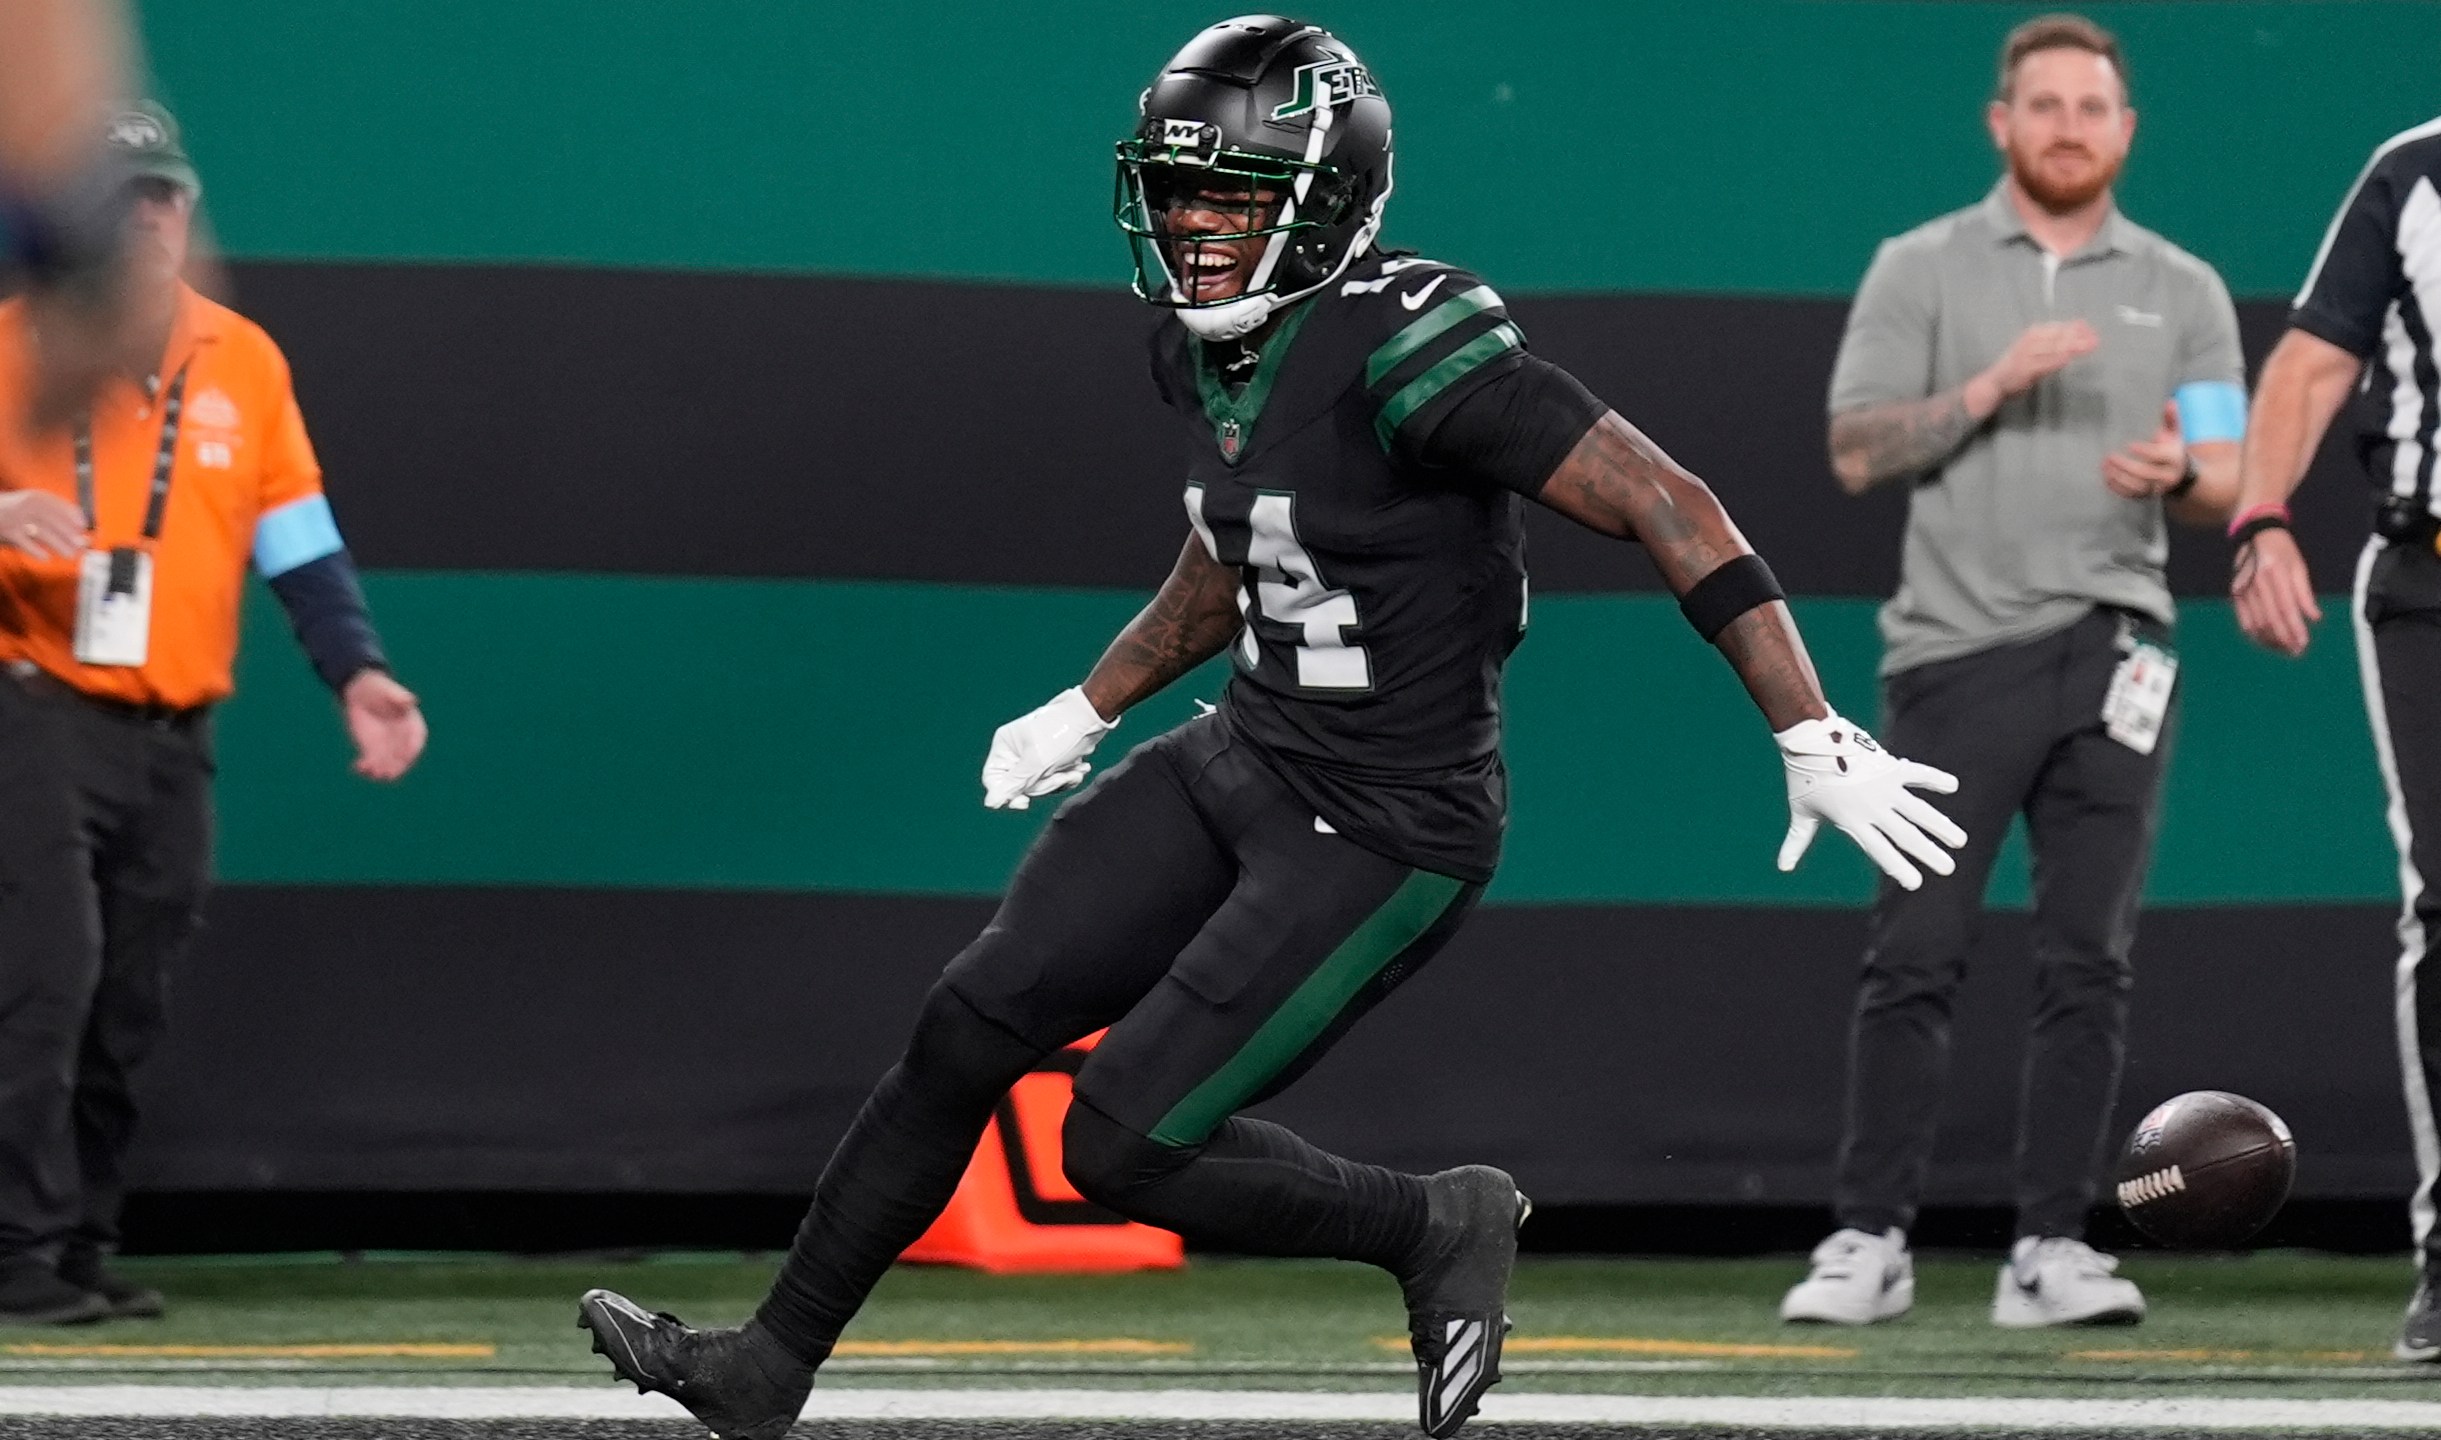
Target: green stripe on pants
(1410, 911)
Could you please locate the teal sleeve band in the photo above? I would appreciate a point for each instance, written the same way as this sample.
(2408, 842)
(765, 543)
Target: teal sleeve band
(298, 533)
(2211, 410)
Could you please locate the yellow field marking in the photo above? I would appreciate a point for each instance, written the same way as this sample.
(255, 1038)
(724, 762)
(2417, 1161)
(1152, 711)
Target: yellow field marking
(254, 1352)
(1013, 1347)
(1632, 1345)
(2354, 1357)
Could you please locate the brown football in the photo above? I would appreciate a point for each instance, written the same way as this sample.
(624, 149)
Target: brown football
(2205, 1170)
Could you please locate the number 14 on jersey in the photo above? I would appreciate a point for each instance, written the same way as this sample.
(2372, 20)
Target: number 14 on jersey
(1289, 590)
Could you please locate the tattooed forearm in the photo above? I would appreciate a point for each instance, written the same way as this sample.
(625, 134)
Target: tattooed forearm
(1765, 649)
(1618, 482)
(1874, 443)
(1188, 622)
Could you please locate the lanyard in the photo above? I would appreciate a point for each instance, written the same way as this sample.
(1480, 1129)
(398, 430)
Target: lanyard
(163, 459)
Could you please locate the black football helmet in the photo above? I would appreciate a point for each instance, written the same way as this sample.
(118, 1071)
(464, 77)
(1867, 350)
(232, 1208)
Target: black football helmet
(1279, 119)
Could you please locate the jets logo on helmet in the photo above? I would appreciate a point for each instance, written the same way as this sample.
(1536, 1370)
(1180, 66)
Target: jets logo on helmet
(1190, 135)
(1327, 83)
(1259, 169)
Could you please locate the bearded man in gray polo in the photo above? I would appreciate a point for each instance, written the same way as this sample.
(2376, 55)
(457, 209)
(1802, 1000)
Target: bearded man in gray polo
(2050, 378)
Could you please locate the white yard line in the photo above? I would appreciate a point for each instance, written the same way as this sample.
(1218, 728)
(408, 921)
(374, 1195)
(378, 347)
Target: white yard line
(1813, 1412)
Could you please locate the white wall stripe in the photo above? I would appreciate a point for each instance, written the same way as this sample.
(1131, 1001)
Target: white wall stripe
(2420, 1208)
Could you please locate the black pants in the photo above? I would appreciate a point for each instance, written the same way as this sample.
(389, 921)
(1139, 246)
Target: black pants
(105, 855)
(2020, 726)
(1190, 902)
(2397, 614)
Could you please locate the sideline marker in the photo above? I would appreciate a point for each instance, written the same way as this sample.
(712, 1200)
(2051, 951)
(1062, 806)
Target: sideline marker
(1014, 1211)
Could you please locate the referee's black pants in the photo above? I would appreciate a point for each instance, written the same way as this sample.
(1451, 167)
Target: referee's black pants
(1188, 901)
(2397, 617)
(105, 856)
(2020, 726)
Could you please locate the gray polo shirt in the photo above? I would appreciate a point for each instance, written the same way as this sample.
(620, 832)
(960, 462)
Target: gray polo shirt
(2018, 536)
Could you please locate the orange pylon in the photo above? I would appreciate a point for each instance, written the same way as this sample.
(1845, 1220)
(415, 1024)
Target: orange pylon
(1015, 1212)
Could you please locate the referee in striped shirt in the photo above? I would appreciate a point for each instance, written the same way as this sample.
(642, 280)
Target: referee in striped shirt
(2374, 294)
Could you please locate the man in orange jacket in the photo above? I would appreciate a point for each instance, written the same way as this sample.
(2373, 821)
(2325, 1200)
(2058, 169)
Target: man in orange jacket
(124, 542)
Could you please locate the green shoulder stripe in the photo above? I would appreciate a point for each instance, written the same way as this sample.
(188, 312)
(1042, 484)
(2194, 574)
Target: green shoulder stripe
(1429, 327)
(1421, 391)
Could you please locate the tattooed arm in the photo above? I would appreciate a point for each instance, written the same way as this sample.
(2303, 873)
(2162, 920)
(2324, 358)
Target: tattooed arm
(1874, 443)
(1619, 483)
(1188, 622)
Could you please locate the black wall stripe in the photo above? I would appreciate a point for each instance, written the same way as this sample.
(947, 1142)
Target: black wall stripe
(517, 1039)
(532, 418)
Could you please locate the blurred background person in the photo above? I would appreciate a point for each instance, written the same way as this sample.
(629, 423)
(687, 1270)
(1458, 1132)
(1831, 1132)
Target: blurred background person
(2050, 377)
(124, 542)
(64, 67)
(2373, 290)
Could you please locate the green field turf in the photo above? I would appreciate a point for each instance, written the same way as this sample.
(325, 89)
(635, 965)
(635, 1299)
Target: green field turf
(2273, 1324)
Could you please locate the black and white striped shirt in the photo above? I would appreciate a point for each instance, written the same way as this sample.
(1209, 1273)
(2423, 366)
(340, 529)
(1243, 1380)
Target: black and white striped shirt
(2375, 291)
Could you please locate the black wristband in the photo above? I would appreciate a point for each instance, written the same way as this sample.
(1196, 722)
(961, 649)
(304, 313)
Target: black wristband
(2186, 482)
(2254, 526)
(1727, 593)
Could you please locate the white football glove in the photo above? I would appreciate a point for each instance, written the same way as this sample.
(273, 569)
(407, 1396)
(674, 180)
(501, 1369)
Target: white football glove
(1836, 772)
(1042, 752)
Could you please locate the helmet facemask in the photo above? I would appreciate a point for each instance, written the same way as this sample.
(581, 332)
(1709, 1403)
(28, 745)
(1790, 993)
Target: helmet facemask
(1301, 213)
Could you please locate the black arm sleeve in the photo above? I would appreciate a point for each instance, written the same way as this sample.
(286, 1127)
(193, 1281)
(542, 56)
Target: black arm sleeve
(1515, 429)
(2358, 274)
(326, 608)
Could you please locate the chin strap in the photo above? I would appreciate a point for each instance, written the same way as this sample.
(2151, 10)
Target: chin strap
(1228, 321)
(1246, 314)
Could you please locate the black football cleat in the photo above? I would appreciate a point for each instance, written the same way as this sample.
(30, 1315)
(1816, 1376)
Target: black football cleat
(2420, 1333)
(1457, 1303)
(740, 1383)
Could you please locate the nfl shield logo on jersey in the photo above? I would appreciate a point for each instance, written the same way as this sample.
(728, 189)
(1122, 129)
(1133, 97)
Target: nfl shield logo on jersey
(1228, 439)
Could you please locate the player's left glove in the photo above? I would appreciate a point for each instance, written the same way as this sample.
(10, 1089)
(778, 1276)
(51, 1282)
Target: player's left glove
(1042, 752)
(1837, 773)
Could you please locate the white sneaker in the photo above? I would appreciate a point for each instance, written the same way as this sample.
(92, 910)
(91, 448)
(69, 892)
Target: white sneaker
(2059, 1281)
(1858, 1277)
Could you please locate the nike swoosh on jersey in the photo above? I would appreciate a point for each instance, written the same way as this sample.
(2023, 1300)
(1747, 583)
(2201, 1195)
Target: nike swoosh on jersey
(1415, 301)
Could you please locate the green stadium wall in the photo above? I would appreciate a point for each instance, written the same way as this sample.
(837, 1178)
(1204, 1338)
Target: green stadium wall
(739, 414)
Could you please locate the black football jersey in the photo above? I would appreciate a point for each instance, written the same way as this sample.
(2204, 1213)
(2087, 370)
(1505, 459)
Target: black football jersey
(1382, 591)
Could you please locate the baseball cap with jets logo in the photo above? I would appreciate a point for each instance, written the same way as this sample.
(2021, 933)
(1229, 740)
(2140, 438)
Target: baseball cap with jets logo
(144, 138)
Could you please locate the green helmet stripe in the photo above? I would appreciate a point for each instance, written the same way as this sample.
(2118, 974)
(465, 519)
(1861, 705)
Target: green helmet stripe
(1423, 389)
(1435, 323)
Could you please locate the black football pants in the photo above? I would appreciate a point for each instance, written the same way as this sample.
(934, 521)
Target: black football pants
(2020, 726)
(2397, 615)
(1190, 902)
(105, 855)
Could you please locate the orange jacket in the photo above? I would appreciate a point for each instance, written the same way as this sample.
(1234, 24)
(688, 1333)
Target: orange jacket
(242, 455)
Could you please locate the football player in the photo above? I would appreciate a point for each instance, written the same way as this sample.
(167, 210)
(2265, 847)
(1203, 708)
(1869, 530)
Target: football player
(1238, 892)
(63, 195)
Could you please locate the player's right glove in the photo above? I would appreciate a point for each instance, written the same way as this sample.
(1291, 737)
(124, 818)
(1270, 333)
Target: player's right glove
(1042, 752)
(1837, 773)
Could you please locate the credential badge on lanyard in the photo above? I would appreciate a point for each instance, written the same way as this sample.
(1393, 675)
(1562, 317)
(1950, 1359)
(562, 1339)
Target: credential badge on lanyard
(2138, 701)
(114, 587)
